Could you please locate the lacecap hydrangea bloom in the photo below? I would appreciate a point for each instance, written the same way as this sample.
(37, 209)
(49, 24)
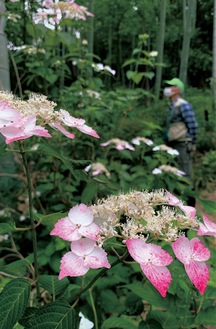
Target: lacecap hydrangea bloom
(136, 219)
(18, 119)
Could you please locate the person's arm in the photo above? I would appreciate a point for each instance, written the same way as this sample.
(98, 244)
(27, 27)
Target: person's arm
(190, 121)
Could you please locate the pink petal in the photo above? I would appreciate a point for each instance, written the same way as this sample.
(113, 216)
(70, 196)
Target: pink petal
(88, 130)
(82, 247)
(40, 131)
(208, 228)
(159, 276)
(66, 230)
(8, 114)
(200, 253)
(173, 200)
(144, 253)
(62, 130)
(81, 215)
(182, 249)
(105, 144)
(190, 211)
(96, 172)
(69, 120)
(97, 258)
(198, 273)
(188, 250)
(120, 147)
(91, 231)
(72, 265)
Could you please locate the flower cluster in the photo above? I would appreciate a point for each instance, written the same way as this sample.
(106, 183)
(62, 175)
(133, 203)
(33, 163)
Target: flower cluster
(53, 12)
(78, 228)
(97, 168)
(137, 218)
(18, 118)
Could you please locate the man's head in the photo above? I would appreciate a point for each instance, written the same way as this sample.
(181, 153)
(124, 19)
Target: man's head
(176, 87)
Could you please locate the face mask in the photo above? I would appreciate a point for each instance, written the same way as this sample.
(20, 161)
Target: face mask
(168, 92)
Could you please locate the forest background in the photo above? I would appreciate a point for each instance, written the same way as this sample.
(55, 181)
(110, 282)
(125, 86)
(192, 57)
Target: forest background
(108, 69)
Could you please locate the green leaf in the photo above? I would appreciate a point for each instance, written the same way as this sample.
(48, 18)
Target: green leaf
(150, 324)
(13, 302)
(129, 61)
(89, 192)
(58, 315)
(166, 319)
(51, 219)
(149, 293)
(208, 205)
(207, 317)
(77, 174)
(53, 285)
(7, 227)
(115, 322)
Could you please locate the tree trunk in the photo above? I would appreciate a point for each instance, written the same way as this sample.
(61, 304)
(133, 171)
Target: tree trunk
(189, 20)
(4, 63)
(160, 46)
(214, 59)
(91, 28)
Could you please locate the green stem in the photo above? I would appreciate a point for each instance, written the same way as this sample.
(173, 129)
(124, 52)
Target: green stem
(33, 226)
(93, 308)
(101, 273)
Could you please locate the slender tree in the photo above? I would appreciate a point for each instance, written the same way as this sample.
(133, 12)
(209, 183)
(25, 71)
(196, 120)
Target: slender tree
(160, 46)
(214, 59)
(4, 64)
(189, 20)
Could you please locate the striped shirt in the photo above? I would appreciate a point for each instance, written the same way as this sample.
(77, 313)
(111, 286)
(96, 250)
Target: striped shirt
(188, 117)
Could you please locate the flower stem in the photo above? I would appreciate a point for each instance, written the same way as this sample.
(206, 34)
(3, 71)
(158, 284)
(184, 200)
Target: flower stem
(33, 226)
(93, 308)
(100, 274)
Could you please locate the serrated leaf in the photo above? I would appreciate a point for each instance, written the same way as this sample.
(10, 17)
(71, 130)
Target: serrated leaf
(7, 227)
(77, 174)
(13, 302)
(166, 319)
(207, 316)
(56, 315)
(149, 293)
(51, 219)
(115, 322)
(52, 284)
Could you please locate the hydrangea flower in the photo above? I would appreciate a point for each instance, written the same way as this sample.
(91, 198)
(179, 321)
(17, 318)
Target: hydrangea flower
(84, 255)
(24, 128)
(153, 261)
(78, 223)
(119, 143)
(18, 118)
(97, 168)
(166, 148)
(193, 255)
(208, 228)
(168, 168)
(174, 201)
(137, 141)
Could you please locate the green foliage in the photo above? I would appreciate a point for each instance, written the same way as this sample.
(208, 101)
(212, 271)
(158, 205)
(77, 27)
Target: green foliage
(13, 302)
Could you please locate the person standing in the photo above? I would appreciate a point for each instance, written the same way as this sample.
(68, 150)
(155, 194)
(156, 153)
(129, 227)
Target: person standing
(181, 125)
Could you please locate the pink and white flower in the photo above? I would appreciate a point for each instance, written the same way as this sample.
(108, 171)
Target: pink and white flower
(208, 228)
(23, 129)
(193, 255)
(70, 121)
(8, 114)
(153, 261)
(84, 255)
(78, 224)
(174, 201)
(119, 144)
